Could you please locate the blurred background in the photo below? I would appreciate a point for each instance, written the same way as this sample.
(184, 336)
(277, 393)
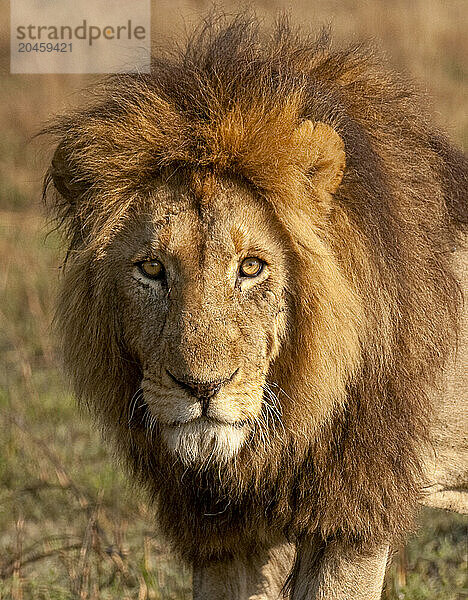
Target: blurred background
(70, 525)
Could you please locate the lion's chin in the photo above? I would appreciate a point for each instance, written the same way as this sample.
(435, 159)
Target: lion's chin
(202, 442)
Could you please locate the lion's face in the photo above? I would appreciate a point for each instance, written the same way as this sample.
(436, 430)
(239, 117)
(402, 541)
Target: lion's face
(203, 287)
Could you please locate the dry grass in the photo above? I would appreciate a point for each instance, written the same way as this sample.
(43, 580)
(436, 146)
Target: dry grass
(70, 527)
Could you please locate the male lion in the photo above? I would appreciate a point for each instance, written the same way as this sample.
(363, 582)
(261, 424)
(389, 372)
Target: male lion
(260, 302)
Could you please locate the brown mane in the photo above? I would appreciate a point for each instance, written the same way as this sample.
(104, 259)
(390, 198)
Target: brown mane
(228, 103)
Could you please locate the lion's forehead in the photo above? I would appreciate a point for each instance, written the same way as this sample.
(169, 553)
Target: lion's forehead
(213, 229)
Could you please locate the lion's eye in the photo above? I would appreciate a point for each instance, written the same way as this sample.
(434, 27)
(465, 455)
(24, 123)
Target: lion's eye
(151, 268)
(251, 267)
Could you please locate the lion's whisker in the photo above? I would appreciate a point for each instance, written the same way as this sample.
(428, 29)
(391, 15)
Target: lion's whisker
(272, 383)
(138, 395)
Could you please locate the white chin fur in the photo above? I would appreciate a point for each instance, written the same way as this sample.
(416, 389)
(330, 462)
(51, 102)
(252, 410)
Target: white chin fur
(200, 442)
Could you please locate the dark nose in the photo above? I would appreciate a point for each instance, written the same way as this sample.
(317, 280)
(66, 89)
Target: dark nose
(203, 390)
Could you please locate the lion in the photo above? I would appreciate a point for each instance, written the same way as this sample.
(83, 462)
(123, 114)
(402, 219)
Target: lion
(262, 306)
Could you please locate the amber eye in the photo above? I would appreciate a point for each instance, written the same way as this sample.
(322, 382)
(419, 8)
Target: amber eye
(251, 267)
(151, 268)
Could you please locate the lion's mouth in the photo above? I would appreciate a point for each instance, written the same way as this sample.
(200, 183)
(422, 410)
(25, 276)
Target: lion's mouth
(209, 421)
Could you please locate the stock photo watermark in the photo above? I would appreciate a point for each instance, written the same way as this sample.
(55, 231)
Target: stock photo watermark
(80, 36)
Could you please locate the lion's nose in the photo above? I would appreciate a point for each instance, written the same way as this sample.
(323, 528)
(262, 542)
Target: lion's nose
(203, 390)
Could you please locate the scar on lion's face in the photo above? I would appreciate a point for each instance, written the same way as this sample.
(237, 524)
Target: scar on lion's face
(203, 282)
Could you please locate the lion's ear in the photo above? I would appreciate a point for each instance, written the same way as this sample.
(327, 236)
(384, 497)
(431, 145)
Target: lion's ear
(62, 176)
(67, 206)
(321, 153)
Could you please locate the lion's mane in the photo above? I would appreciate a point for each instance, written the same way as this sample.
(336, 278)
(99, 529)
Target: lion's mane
(228, 103)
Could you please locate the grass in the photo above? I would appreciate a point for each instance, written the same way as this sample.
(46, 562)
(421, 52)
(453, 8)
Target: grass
(70, 524)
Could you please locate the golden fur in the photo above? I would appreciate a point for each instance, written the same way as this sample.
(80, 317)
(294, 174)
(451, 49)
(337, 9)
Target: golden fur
(328, 161)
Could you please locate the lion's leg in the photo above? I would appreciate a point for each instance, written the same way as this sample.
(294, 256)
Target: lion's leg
(261, 577)
(335, 573)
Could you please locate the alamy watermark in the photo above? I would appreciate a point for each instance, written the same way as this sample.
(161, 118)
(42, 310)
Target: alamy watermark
(80, 36)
